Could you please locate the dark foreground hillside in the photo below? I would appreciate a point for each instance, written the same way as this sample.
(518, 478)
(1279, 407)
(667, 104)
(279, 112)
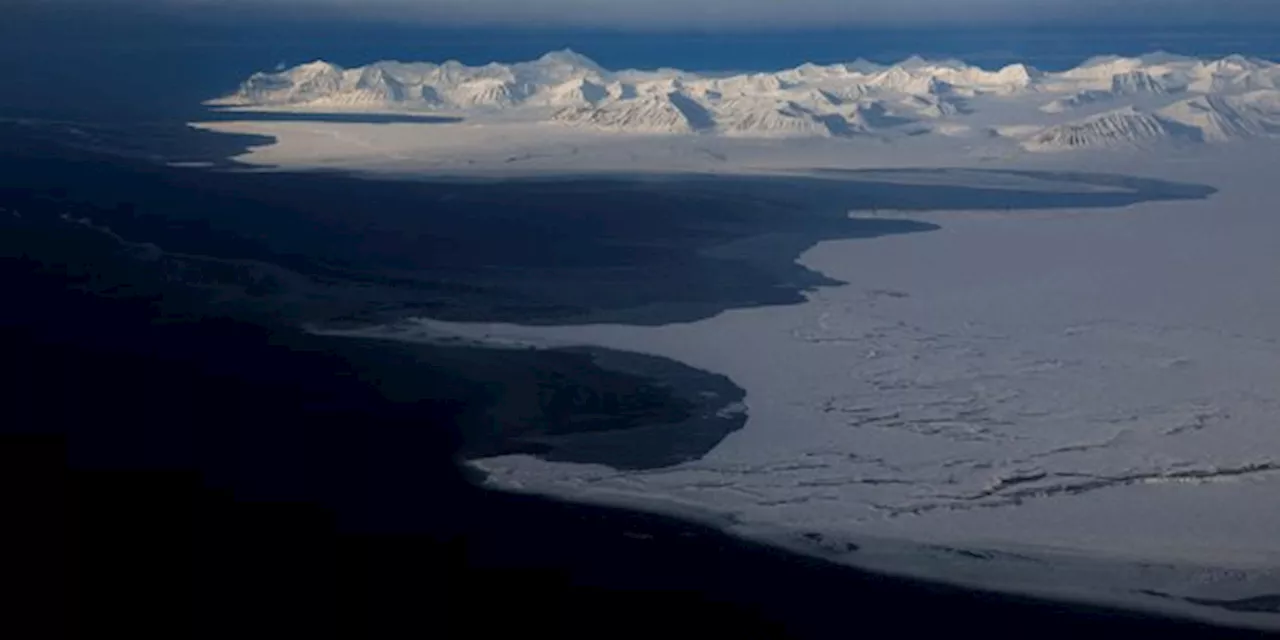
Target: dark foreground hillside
(211, 479)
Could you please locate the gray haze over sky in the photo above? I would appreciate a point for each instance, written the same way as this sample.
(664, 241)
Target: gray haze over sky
(704, 14)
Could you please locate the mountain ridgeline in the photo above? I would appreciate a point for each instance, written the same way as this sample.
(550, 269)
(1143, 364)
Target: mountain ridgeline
(1105, 102)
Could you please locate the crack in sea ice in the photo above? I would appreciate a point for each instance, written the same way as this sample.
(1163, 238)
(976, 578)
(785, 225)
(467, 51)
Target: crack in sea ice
(1019, 486)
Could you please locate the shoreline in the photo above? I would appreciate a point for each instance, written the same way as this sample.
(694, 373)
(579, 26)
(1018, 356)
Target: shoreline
(934, 563)
(1103, 580)
(613, 337)
(878, 296)
(685, 413)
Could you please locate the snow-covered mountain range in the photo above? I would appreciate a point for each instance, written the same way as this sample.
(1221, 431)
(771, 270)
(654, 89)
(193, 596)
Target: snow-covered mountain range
(1105, 102)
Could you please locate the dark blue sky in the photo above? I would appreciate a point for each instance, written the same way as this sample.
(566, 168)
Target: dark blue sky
(690, 14)
(151, 58)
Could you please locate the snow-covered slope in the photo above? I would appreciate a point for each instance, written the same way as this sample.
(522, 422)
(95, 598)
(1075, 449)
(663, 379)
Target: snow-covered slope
(1105, 102)
(1134, 82)
(1077, 100)
(1203, 118)
(1220, 118)
(1126, 127)
(654, 113)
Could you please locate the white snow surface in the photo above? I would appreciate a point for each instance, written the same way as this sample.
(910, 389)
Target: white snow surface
(840, 100)
(1090, 399)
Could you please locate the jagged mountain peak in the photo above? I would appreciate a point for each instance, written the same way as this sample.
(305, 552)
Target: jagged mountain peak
(809, 99)
(1136, 81)
(570, 58)
(863, 66)
(316, 66)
